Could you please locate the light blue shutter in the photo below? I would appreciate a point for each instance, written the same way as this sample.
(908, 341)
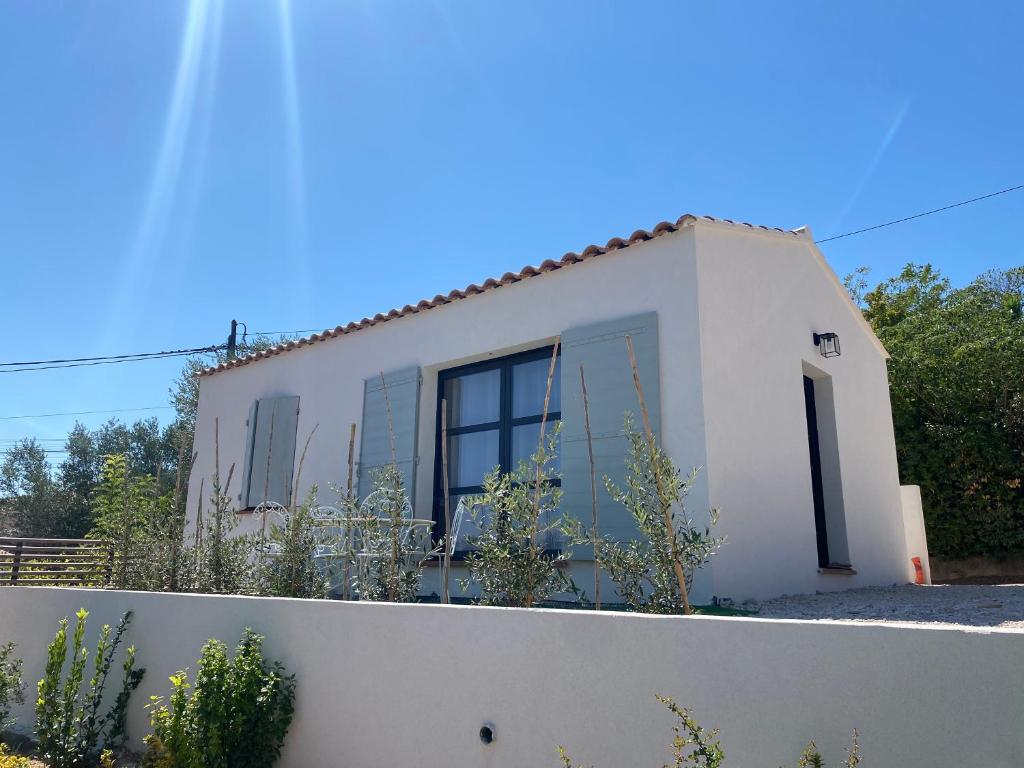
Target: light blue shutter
(250, 438)
(273, 451)
(601, 349)
(403, 393)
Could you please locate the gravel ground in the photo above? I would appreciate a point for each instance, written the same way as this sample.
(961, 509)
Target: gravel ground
(968, 605)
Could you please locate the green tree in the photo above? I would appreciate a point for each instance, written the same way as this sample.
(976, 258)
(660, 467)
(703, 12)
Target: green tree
(956, 377)
(32, 502)
(643, 568)
(517, 559)
(123, 508)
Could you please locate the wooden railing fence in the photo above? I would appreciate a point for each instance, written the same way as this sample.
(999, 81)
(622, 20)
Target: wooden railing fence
(55, 562)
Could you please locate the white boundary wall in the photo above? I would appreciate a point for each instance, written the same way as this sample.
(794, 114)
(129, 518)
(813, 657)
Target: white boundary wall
(410, 685)
(913, 526)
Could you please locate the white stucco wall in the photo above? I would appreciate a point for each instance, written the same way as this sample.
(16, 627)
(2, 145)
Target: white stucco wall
(761, 299)
(392, 685)
(328, 377)
(736, 309)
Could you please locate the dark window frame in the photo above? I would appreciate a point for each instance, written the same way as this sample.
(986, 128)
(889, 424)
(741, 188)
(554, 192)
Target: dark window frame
(504, 424)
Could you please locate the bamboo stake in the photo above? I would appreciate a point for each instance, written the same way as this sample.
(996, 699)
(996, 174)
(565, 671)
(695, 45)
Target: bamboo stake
(593, 490)
(302, 460)
(173, 524)
(346, 569)
(536, 482)
(216, 448)
(218, 495)
(351, 454)
(394, 532)
(677, 565)
(391, 429)
(199, 515)
(270, 453)
(446, 563)
(227, 485)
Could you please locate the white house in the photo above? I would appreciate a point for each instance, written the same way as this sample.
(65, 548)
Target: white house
(795, 442)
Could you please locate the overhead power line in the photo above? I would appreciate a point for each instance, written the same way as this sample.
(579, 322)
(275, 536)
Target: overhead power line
(42, 450)
(286, 333)
(77, 362)
(85, 413)
(920, 215)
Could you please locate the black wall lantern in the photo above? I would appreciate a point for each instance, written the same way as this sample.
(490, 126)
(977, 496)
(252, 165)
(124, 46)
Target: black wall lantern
(827, 344)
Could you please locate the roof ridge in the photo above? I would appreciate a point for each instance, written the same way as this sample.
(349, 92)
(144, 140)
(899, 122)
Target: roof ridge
(548, 265)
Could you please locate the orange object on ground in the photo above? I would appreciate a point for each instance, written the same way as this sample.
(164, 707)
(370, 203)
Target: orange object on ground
(918, 570)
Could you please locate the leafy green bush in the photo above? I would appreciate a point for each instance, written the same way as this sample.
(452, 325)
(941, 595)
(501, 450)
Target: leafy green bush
(644, 570)
(220, 559)
(811, 757)
(11, 761)
(516, 513)
(69, 727)
(389, 564)
(956, 377)
(121, 508)
(288, 567)
(11, 688)
(236, 716)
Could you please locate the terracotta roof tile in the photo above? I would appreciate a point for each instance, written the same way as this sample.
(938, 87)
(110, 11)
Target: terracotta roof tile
(549, 265)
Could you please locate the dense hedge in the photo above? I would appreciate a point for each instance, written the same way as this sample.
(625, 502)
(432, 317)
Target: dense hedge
(957, 384)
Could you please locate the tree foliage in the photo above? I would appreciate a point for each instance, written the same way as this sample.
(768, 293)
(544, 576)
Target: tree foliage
(11, 689)
(32, 502)
(517, 559)
(956, 377)
(643, 568)
(40, 500)
(236, 716)
(71, 726)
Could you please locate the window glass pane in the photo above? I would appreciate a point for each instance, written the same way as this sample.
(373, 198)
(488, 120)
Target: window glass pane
(473, 399)
(529, 382)
(471, 456)
(524, 443)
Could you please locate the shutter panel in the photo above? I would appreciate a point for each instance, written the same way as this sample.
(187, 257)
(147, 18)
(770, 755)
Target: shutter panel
(273, 451)
(282, 449)
(601, 349)
(250, 436)
(403, 392)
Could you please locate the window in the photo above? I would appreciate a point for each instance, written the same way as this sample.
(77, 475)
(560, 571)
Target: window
(494, 414)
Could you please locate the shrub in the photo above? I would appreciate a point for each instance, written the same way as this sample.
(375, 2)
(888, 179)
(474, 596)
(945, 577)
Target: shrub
(691, 746)
(956, 378)
(11, 761)
(389, 562)
(69, 727)
(236, 716)
(515, 559)
(811, 757)
(644, 570)
(221, 560)
(11, 688)
(122, 508)
(288, 555)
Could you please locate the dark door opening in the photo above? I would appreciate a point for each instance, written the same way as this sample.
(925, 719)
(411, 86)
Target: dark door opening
(817, 487)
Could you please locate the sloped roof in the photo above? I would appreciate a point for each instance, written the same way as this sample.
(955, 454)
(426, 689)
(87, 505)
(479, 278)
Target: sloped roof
(491, 283)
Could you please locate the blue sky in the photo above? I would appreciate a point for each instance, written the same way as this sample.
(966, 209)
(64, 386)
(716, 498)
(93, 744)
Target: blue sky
(165, 167)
